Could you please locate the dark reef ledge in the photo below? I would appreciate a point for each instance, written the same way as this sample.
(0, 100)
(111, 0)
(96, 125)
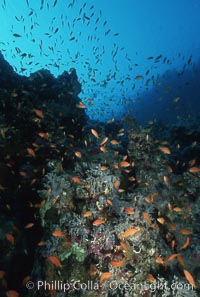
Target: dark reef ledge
(40, 85)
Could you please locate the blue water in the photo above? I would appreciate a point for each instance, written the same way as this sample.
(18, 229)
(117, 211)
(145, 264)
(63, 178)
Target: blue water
(132, 57)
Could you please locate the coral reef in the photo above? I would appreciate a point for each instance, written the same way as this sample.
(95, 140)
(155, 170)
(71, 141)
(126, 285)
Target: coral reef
(108, 209)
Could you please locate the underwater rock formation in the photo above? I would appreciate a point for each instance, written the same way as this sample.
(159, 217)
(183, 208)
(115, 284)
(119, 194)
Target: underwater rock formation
(38, 118)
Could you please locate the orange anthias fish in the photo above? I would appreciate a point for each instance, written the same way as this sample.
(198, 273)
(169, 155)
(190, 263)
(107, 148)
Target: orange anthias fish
(190, 278)
(116, 183)
(165, 150)
(146, 217)
(172, 257)
(43, 134)
(104, 276)
(124, 164)
(185, 232)
(95, 133)
(39, 113)
(129, 232)
(10, 238)
(80, 105)
(31, 152)
(194, 169)
(87, 214)
(114, 142)
(58, 233)
(29, 225)
(78, 154)
(159, 260)
(186, 244)
(55, 261)
(98, 222)
(151, 278)
(104, 140)
(129, 210)
(76, 179)
(117, 263)
(12, 293)
(161, 220)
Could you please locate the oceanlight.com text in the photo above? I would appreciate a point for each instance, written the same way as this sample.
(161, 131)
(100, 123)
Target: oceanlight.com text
(77, 285)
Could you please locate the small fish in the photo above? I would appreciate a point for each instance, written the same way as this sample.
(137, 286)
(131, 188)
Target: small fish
(172, 257)
(169, 169)
(39, 113)
(58, 233)
(104, 276)
(92, 271)
(186, 244)
(165, 150)
(129, 232)
(43, 134)
(103, 149)
(190, 278)
(151, 278)
(98, 222)
(150, 198)
(76, 179)
(166, 180)
(25, 280)
(107, 32)
(159, 260)
(55, 2)
(95, 133)
(10, 238)
(121, 190)
(104, 140)
(12, 293)
(131, 178)
(78, 154)
(138, 77)
(80, 105)
(117, 263)
(172, 244)
(192, 162)
(103, 168)
(17, 35)
(116, 184)
(177, 209)
(124, 164)
(170, 207)
(114, 142)
(109, 202)
(176, 99)
(87, 214)
(29, 225)
(194, 169)
(146, 217)
(129, 210)
(180, 259)
(123, 246)
(185, 232)
(171, 226)
(41, 243)
(161, 220)
(55, 261)
(31, 152)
